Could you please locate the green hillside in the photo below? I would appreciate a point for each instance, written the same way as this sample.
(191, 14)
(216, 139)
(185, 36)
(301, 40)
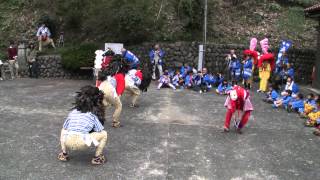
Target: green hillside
(136, 21)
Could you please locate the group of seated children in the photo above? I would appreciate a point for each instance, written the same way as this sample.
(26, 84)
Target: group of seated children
(189, 78)
(293, 101)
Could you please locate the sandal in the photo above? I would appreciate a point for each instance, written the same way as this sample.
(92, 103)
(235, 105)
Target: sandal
(116, 125)
(134, 105)
(239, 131)
(98, 160)
(63, 156)
(225, 129)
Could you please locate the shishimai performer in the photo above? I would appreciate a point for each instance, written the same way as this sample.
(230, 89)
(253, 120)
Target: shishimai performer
(238, 100)
(84, 125)
(117, 78)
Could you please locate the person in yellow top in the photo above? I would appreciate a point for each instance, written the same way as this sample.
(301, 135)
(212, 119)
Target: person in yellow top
(265, 65)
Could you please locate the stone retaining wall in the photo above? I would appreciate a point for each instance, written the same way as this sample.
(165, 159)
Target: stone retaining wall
(187, 52)
(51, 67)
(179, 53)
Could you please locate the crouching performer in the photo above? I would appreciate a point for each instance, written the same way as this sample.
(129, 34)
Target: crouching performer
(84, 125)
(113, 86)
(238, 99)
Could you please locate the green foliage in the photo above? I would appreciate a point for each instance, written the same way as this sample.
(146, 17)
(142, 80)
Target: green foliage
(304, 3)
(293, 19)
(78, 56)
(3, 56)
(274, 7)
(191, 13)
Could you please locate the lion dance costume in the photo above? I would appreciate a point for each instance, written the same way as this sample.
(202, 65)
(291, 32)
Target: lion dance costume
(266, 64)
(238, 99)
(116, 78)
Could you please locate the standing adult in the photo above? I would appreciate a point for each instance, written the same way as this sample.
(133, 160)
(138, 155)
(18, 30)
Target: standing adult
(44, 37)
(132, 59)
(13, 62)
(228, 59)
(156, 56)
(32, 62)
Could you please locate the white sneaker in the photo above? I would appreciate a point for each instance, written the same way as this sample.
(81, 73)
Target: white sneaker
(200, 92)
(1, 79)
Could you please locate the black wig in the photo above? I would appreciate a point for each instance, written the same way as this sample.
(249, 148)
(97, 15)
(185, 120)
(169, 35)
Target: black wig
(116, 65)
(89, 99)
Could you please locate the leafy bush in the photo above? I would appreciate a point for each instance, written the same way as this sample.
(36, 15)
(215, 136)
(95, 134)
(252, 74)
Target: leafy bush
(294, 20)
(78, 56)
(274, 7)
(304, 3)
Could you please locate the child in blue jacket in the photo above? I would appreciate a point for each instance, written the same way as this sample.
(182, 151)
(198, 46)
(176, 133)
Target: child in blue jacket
(284, 101)
(272, 95)
(223, 88)
(188, 80)
(235, 67)
(247, 72)
(297, 104)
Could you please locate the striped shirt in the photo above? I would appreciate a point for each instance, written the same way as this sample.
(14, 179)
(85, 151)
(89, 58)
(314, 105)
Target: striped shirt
(82, 122)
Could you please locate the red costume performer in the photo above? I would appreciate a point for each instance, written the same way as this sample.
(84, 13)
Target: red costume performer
(238, 99)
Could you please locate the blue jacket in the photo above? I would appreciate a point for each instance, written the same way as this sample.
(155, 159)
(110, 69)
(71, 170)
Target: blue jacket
(274, 95)
(247, 69)
(219, 79)
(295, 88)
(161, 55)
(130, 57)
(235, 66)
(223, 88)
(184, 70)
(297, 104)
(209, 79)
(312, 102)
(188, 80)
(286, 100)
(290, 73)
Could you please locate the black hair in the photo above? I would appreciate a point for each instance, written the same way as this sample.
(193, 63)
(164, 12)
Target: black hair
(300, 96)
(146, 68)
(116, 65)
(289, 92)
(108, 53)
(89, 99)
(311, 95)
(274, 86)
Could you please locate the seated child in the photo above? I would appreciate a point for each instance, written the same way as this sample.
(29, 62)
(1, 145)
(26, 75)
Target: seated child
(292, 86)
(284, 101)
(297, 105)
(223, 88)
(188, 80)
(177, 79)
(309, 105)
(84, 125)
(198, 83)
(272, 95)
(207, 80)
(164, 81)
(314, 116)
(184, 70)
(219, 79)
